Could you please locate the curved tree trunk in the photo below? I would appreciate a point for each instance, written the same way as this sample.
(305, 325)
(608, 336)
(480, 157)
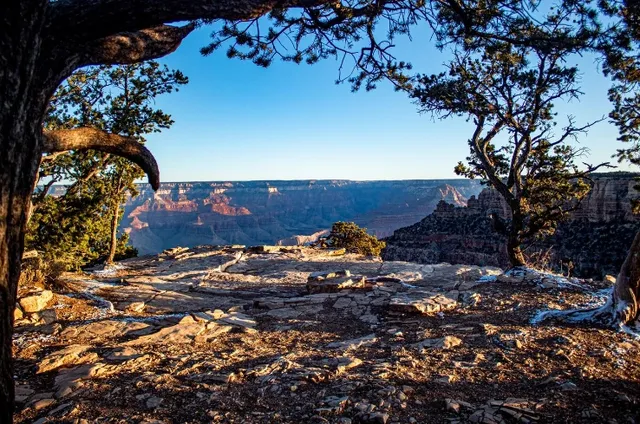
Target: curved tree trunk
(19, 144)
(22, 103)
(516, 257)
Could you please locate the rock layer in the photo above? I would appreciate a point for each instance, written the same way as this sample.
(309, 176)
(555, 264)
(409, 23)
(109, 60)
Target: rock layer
(265, 212)
(593, 242)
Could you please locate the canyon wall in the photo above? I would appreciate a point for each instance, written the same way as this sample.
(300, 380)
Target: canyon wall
(593, 242)
(285, 212)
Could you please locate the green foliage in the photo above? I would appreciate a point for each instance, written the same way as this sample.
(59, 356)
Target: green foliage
(354, 239)
(76, 227)
(509, 91)
(622, 53)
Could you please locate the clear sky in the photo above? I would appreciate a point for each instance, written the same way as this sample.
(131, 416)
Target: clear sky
(236, 121)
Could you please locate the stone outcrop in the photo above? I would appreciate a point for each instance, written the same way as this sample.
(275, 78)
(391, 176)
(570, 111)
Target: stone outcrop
(35, 301)
(288, 212)
(593, 242)
(229, 334)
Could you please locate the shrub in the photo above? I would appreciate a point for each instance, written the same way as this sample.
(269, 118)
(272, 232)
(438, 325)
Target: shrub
(354, 239)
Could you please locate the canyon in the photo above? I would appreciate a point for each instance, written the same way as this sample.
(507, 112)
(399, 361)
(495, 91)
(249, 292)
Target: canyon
(593, 242)
(279, 212)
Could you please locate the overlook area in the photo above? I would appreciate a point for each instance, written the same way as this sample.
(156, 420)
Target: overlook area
(319, 211)
(285, 334)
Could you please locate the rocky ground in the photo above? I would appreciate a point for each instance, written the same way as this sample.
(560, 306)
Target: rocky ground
(270, 335)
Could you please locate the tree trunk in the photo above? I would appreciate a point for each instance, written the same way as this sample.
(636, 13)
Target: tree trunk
(22, 106)
(19, 145)
(113, 243)
(626, 292)
(516, 257)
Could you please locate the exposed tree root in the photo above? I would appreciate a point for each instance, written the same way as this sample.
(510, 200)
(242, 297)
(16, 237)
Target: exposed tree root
(607, 315)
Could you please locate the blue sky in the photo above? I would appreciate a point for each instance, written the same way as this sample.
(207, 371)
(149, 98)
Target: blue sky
(236, 121)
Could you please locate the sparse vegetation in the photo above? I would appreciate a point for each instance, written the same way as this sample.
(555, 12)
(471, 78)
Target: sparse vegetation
(509, 93)
(354, 239)
(79, 227)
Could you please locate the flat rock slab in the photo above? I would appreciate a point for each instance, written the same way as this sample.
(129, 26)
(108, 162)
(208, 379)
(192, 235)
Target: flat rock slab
(71, 355)
(447, 342)
(106, 329)
(422, 302)
(69, 380)
(199, 328)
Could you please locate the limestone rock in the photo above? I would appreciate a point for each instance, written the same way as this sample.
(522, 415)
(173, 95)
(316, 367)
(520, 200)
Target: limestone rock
(71, 355)
(23, 392)
(136, 307)
(284, 313)
(36, 302)
(69, 380)
(421, 302)
(353, 343)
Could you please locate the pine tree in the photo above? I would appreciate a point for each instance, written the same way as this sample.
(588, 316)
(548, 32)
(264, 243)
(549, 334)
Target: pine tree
(509, 92)
(80, 226)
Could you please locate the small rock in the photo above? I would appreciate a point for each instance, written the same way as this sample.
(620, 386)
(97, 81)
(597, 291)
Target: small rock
(43, 403)
(136, 307)
(378, 418)
(36, 302)
(353, 343)
(23, 391)
(568, 386)
(46, 317)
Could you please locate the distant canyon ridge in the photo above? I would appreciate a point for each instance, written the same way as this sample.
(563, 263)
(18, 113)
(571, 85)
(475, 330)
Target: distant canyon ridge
(593, 242)
(279, 212)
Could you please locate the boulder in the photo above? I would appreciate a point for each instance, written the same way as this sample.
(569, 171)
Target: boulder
(37, 301)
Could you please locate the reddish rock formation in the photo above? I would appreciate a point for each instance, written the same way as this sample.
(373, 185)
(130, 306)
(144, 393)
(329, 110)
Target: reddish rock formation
(265, 212)
(593, 242)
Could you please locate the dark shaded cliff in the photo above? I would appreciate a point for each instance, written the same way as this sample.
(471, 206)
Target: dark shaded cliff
(265, 212)
(594, 241)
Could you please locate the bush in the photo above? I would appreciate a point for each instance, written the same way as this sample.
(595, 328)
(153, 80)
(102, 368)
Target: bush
(354, 239)
(37, 272)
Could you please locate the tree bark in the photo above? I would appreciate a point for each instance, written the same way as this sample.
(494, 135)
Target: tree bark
(113, 243)
(516, 257)
(22, 108)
